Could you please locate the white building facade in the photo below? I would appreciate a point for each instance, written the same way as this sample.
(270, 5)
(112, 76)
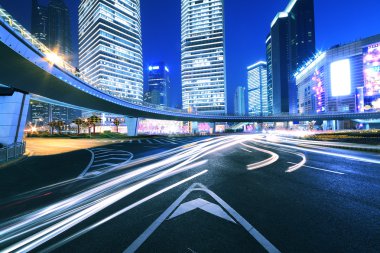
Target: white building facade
(110, 47)
(203, 56)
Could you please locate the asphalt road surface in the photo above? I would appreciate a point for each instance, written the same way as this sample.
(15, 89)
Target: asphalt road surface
(238, 193)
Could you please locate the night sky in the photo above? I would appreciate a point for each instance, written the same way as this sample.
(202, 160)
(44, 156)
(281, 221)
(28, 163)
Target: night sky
(247, 25)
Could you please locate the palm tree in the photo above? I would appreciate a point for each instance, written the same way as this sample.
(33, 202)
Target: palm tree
(78, 122)
(116, 122)
(52, 125)
(60, 124)
(93, 120)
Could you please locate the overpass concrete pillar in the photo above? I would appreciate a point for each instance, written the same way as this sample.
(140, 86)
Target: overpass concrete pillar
(213, 126)
(14, 107)
(132, 126)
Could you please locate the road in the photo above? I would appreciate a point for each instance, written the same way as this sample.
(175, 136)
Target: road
(236, 193)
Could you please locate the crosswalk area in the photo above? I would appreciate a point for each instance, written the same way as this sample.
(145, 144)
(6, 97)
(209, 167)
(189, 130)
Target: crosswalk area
(104, 160)
(152, 141)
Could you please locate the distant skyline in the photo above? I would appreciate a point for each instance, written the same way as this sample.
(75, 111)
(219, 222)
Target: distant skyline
(247, 25)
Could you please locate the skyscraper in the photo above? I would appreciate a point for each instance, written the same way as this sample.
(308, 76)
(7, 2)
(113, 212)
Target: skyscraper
(258, 89)
(110, 47)
(239, 101)
(51, 26)
(203, 56)
(268, 44)
(158, 84)
(39, 22)
(59, 30)
(292, 43)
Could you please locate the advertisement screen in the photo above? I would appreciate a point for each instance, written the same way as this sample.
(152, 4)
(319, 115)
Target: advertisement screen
(371, 60)
(340, 78)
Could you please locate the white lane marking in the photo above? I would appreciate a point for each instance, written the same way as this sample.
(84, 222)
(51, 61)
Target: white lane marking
(246, 150)
(204, 205)
(158, 141)
(113, 158)
(103, 164)
(199, 187)
(142, 201)
(168, 141)
(149, 142)
(274, 157)
(315, 168)
(123, 154)
(89, 165)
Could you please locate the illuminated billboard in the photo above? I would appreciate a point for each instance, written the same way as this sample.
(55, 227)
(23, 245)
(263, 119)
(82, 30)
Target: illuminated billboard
(371, 61)
(340, 78)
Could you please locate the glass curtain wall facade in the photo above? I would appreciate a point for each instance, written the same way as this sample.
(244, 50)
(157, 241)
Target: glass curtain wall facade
(39, 21)
(239, 100)
(158, 85)
(110, 47)
(258, 89)
(203, 56)
(59, 30)
(268, 44)
(293, 43)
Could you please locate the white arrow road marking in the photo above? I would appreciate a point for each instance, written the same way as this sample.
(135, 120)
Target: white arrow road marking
(199, 187)
(203, 205)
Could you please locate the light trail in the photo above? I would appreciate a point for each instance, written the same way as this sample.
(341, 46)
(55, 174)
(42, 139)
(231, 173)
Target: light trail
(99, 223)
(298, 165)
(351, 157)
(274, 157)
(63, 215)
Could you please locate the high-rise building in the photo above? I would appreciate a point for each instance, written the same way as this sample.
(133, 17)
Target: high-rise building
(158, 84)
(39, 113)
(203, 56)
(239, 101)
(292, 43)
(39, 22)
(59, 30)
(110, 47)
(51, 26)
(268, 44)
(258, 89)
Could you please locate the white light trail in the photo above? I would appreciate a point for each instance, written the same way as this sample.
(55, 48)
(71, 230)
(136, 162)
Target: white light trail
(274, 157)
(61, 216)
(99, 223)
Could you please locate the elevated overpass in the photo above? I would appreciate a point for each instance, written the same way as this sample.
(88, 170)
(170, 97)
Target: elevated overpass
(30, 67)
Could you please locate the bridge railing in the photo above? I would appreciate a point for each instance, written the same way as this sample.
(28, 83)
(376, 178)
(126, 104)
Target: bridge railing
(12, 152)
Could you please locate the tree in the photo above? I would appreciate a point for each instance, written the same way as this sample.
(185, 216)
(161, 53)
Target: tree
(116, 122)
(60, 124)
(52, 125)
(78, 122)
(87, 125)
(93, 120)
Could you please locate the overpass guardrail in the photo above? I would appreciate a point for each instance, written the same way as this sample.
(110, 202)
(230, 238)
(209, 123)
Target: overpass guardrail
(11, 152)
